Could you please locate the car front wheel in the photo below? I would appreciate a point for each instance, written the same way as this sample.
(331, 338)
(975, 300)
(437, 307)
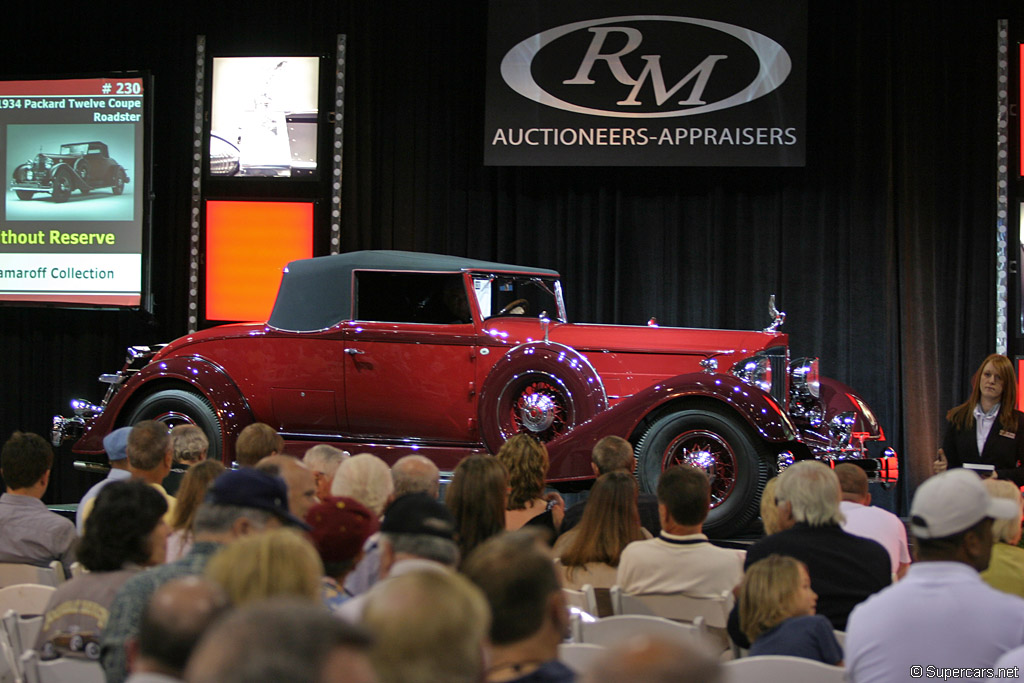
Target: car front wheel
(24, 194)
(61, 187)
(718, 444)
(176, 407)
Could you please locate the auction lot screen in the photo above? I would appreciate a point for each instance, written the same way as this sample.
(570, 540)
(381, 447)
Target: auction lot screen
(71, 230)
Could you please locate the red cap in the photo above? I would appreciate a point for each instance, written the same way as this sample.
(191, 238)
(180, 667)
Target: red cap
(340, 526)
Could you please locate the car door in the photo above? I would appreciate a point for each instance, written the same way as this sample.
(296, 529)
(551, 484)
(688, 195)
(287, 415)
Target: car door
(411, 348)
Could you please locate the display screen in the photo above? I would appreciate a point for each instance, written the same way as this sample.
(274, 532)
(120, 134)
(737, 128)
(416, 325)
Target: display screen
(263, 117)
(73, 210)
(248, 244)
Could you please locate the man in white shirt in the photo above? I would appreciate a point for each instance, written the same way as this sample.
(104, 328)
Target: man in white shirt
(871, 522)
(941, 620)
(680, 558)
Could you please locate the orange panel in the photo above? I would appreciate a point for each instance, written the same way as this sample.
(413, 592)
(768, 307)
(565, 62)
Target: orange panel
(247, 246)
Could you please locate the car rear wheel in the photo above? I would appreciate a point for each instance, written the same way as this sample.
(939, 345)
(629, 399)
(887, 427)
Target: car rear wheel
(719, 444)
(176, 407)
(24, 194)
(61, 187)
(117, 185)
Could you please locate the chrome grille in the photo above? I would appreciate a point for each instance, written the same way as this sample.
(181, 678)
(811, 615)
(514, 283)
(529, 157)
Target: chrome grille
(779, 357)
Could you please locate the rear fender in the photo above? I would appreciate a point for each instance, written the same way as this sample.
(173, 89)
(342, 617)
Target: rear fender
(570, 375)
(201, 375)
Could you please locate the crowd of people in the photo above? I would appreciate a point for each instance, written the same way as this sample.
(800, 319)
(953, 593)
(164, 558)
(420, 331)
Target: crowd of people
(333, 567)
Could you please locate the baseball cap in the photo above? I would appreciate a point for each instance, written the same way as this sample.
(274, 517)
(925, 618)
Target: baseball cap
(418, 513)
(252, 488)
(954, 501)
(339, 527)
(116, 443)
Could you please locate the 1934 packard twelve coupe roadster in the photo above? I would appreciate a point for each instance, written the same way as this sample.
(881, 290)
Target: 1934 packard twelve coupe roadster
(396, 352)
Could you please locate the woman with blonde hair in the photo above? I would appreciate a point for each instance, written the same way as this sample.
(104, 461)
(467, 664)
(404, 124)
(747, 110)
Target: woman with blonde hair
(770, 517)
(476, 499)
(1006, 566)
(268, 564)
(777, 612)
(526, 460)
(589, 552)
(191, 493)
(987, 431)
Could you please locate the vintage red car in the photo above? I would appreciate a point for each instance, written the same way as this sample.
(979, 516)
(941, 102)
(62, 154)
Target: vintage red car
(396, 352)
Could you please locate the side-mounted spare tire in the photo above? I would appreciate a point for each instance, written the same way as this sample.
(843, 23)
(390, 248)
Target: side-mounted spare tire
(717, 441)
(541, 388)
(176, 407)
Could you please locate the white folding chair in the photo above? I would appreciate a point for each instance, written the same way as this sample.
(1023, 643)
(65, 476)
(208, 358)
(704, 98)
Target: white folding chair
(780, 669)
(584, 600)
(712, 609)
(579, 656)
(20, 635)
(27, 599)
(12, 573)
(61, 670)
(609, 631)
(840, 638)
(675, 606)
(78, 569)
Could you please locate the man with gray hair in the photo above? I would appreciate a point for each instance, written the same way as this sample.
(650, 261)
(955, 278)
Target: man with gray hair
(418, 533)
(844, 569)
(324, 460)
(239, 503)
(415, 474)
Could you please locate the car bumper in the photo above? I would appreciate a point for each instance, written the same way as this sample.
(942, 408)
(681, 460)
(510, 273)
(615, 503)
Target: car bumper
(65, 428)
(33, 187)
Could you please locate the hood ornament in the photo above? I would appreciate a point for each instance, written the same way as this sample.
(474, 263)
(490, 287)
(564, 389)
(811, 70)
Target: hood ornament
(778, 317)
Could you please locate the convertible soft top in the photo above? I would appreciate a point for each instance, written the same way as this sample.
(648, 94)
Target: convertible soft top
(316, 293)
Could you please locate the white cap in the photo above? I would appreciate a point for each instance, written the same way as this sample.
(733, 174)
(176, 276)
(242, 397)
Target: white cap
(954, 501)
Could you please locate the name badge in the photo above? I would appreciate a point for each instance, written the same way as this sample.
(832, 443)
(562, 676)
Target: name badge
(1008, 435)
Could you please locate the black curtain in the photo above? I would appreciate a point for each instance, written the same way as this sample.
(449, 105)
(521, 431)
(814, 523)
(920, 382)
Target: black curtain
(881, 249)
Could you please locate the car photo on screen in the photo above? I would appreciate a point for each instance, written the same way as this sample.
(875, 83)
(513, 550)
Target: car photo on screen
(70, 172)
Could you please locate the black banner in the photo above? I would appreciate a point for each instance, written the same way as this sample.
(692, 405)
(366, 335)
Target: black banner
(594, 83)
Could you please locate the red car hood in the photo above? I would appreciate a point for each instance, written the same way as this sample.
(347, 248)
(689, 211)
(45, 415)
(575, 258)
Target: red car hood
(637, 339)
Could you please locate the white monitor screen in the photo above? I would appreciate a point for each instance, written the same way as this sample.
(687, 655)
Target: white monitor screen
(263, 118)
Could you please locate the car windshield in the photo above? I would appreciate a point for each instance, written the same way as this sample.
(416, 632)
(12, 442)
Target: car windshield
(519, 295)
(75, 149)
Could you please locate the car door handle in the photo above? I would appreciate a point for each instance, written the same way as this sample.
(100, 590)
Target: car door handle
(354, 352)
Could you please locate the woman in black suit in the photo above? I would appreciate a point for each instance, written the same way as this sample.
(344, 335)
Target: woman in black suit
(987, 428)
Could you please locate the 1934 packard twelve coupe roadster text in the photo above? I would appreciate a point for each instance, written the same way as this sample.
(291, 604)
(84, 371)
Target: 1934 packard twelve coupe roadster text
(397, 352)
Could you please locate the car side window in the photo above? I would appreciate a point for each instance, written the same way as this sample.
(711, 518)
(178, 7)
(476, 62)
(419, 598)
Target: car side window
(408, 297)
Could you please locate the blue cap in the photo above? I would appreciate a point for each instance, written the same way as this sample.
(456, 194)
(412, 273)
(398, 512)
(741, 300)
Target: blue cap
(116, 443)
(252, 488)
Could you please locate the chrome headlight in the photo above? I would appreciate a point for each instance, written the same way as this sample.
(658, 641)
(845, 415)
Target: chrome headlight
(803, 372)
(756, 370)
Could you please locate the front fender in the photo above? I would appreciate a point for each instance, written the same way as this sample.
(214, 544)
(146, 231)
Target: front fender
(837, 398)
(570, 453)
(204, 377)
